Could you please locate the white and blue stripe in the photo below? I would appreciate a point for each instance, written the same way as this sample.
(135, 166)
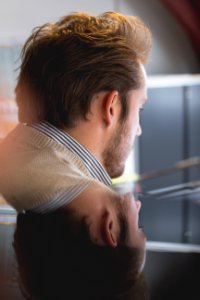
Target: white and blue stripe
(62, 198)
(94, 167)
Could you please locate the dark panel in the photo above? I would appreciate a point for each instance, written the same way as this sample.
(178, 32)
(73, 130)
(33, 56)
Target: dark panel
(193, 105)
(194, 221)
(161, 146)
(162, 219)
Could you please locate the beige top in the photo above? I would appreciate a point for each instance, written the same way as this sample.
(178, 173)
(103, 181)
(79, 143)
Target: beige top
(36, 172)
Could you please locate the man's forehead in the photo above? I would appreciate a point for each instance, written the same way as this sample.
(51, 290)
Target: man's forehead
(143, 71)
(144, 75)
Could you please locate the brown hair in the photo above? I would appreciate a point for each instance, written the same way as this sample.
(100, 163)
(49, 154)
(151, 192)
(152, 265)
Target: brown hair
(57, 260)
(65, 63)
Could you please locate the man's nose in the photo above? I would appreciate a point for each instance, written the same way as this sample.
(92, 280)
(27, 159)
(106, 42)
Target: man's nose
(139, 130)
(138, 205)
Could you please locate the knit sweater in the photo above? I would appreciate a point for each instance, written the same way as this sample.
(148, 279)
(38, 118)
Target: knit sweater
(38, 173)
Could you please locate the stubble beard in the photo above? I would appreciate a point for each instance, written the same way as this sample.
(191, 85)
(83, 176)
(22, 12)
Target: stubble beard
(113, 155)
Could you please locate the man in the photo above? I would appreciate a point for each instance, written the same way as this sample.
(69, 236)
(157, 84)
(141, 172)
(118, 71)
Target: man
(80, 90)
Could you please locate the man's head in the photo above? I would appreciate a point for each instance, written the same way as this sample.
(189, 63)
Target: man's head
(63, 255)
(64, 64)
(81, 61)
(102, 209)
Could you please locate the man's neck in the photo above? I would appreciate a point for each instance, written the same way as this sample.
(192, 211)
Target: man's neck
(90, 137)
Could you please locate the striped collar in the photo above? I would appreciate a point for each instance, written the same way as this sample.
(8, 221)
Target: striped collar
(94, 167)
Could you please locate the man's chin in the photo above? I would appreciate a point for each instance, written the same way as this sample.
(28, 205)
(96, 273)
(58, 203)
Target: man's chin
(118, 172)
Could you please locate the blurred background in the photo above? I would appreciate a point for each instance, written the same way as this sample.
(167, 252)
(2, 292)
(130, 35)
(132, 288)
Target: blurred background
(169, 145)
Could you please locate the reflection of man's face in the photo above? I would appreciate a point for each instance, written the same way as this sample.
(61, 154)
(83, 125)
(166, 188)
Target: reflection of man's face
(135, 236)
(122, 142)
(130, 207)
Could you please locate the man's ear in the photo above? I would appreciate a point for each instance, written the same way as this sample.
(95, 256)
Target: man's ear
(108, 230)
(111, 107)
